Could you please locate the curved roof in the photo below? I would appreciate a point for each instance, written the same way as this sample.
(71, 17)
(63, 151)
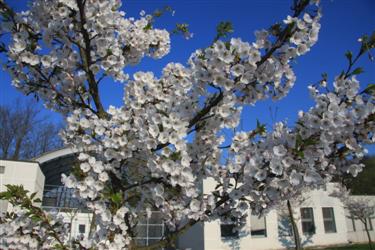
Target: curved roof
(55, 163)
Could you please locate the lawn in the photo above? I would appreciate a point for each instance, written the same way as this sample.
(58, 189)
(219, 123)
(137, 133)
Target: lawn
(351, 247)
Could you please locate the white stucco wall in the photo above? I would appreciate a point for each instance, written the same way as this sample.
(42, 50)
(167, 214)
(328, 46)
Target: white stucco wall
(358, 233)
(316, 199)
(25, 173)
(77, 219)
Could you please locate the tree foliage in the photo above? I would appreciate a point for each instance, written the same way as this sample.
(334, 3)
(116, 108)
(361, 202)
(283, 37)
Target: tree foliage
(364, 183)
(155, 151)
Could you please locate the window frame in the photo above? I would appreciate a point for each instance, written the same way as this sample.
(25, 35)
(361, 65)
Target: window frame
(331, 219)
(265, 235)
(233, 235)
(353, 223)
(80, 226)
(311, 220)
(369, 224)
(147, 238)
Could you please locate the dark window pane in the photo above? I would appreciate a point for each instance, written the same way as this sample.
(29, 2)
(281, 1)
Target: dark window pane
(152, 241)
(307, 218)
(141, 231)
(141, 242)
(329, 227)
(142, 221)
(329, 220)
(227, 230)
(155, 231)
(308, 227)
(369, 224)
(353, 223)
(49, 201)
(155, 218)
(82, 228)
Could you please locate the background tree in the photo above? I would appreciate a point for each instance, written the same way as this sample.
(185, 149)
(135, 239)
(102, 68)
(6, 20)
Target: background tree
(363, 184)
(24, 132)
(361, 209)
(155, 151)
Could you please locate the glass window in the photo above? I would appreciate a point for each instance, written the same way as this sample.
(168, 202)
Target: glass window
(307, 219)
(82, 228)
(228, 231)
(2, 169)
(150, 230)
(369, 224)
(258, 226)
(353, 223)
(329, 220)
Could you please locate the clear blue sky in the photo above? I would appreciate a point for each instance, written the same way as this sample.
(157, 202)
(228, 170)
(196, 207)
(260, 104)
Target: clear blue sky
(343, 22)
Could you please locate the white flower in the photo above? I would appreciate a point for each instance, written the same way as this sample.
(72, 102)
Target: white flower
(103, 176)
(295, 178)
(354, 169)
(279, 151)
(195, 205)
(276, 168)
(261, 175)
(85, 167)
(159, 190)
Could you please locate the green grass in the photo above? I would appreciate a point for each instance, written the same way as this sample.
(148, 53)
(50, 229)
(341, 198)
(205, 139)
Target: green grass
(351, 247)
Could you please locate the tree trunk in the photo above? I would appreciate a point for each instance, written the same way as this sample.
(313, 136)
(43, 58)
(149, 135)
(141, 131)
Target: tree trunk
(368, 235)
(297, 239)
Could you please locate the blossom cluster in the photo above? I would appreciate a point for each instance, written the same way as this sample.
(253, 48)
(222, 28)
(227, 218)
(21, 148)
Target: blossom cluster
(326, 141)
(23, 231)
(146, 140)
(155, 151)
(58, 47)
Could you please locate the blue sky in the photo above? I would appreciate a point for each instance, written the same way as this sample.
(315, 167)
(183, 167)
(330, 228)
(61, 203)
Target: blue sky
(343, 22)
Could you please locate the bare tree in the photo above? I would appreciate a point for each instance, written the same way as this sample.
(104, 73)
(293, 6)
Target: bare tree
(24, 132)
(361, 209)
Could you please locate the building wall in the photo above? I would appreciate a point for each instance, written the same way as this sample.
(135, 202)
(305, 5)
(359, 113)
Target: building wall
(76, 219)
(27, 174)
(316, 199)
(357, 232)
(193, 239)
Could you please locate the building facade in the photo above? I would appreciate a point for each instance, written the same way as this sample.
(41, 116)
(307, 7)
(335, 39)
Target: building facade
(321, 219)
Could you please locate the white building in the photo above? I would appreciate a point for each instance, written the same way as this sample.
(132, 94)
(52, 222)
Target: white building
(26, 173)
(321, 219)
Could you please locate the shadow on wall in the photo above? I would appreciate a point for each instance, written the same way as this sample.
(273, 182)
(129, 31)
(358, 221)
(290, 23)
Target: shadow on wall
(234, 242)
(286, 236)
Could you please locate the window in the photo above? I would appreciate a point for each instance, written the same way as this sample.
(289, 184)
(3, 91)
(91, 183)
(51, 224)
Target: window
(353, 224)
(285, 228)
(329, 220)
(307, 218)
(258, 226)
(150, 230)
(228, 231)
(2, 169)
(369, 224)
(82, 228)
